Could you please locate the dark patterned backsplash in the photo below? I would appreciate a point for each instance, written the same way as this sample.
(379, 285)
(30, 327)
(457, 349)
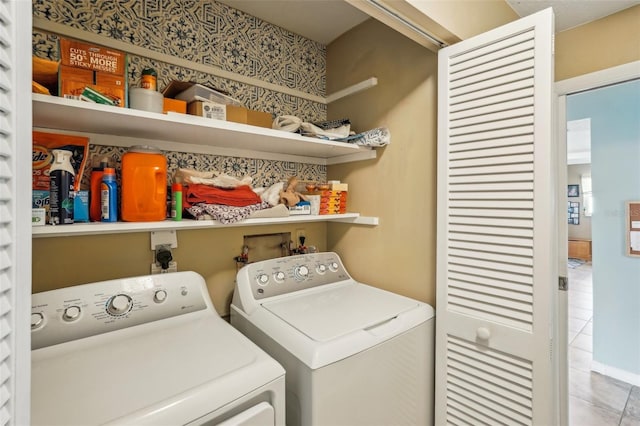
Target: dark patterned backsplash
(214, 34)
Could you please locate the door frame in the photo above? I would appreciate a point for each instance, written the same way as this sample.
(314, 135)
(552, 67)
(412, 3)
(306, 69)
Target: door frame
(563, 88)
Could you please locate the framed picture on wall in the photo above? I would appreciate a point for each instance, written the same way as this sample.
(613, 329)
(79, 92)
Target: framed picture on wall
(573, 213)
(573, 191)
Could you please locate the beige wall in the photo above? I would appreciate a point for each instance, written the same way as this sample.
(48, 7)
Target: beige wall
(583, 230)
(466, 18)
(602, 44)
(399, 186)
(63, 262)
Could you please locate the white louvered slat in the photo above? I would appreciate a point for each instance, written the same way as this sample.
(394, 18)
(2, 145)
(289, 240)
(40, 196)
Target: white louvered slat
(503, 106)
(491, 169)
(494, 257)
(498, 413)
(496, 101)
(491, 91)
(511, 402)
(492, 115)
(496, 177)
(492, 239)
(495, 81)
(501, 292)
(490, 53)
(490, 248)
(497, 276)
(517, 57)
(487, 212)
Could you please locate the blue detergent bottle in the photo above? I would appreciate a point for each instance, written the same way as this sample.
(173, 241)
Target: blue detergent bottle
(109, 196)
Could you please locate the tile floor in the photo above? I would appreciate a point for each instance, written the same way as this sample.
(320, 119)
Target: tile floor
(594, 399)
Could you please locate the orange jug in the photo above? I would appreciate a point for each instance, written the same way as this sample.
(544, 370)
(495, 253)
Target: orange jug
(144, 185)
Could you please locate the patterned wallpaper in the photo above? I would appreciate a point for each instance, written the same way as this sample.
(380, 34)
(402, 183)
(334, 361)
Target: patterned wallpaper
(211, 33)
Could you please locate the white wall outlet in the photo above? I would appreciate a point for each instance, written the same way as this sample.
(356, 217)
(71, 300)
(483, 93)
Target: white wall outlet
(300, 233)
(157, 269)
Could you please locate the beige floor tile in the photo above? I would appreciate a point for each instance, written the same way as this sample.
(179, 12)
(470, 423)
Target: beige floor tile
(633, 404)
(588, 329)
(580, 360)
(601, 391)
(583, 314)
(584, 342)
(577, 324)
(629, 421)
(581, 413)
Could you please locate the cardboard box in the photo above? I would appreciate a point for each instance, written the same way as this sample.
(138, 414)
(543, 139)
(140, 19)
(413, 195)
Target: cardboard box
(190, 92)
(242, 115)
(38, 217)
(81, 206)
(303, 207)
(72, 79)
(207, 110)
(174, 105)
(91, 57)
(73, 90)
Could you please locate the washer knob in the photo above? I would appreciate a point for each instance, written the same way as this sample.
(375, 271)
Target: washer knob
(71, 313)
(160, 296)
(37, 320)
(302, 272)
(119, 304)
(321, 269)
(279, 276)
(263, 279)
(333, 266)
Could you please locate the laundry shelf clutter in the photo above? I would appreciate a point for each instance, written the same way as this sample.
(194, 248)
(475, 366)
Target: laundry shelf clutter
(50, 112)
(93, 228)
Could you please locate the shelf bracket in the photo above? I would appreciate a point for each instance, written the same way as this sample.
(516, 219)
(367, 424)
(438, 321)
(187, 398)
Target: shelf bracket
(359, 87)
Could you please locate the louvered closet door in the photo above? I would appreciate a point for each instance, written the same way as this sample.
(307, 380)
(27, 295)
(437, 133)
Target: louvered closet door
(496, 239)
(15, 208)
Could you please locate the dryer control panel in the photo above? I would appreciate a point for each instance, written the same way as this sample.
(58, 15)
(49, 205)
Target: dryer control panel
(283, 275)
(71, 313)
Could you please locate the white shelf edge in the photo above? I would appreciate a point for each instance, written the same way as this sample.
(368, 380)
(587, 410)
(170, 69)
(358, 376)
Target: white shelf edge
(61, 114)
(97, 228)
(360, 220)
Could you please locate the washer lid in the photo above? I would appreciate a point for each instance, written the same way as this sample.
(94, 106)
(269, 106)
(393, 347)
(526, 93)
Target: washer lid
(329, 314)
(147, 374)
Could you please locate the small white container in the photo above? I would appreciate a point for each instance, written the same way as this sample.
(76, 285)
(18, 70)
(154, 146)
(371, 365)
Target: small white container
(145, 100)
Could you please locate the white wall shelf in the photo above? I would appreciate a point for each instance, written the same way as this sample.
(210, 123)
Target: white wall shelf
(96, 228)
(50, 112)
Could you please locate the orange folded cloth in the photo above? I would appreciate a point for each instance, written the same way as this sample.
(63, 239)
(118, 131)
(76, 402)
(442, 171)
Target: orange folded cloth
(240, 196)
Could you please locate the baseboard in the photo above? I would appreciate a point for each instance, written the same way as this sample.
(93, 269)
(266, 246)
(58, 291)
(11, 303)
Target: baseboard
(616, 373)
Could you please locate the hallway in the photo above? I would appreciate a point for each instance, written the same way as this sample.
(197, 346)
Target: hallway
(594, 399)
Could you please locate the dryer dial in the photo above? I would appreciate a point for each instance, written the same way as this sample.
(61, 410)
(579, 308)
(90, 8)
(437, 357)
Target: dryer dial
(301, 272)
(37, 320)
(119, 305)
(71, 313)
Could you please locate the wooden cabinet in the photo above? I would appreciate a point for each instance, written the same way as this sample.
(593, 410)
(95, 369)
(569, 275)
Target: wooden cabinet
(580, 249)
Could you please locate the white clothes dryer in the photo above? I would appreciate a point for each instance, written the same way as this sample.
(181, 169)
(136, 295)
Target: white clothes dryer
(147, 350)
(353, 354)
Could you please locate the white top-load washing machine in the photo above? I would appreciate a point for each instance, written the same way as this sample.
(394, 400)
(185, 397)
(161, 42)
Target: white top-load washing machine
(147, 350)
(354, 354)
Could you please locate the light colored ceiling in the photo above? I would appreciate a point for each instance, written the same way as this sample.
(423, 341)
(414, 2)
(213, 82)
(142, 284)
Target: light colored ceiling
(572, 13)
(325, 20)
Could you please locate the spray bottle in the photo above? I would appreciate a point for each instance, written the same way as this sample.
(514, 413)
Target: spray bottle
(62, 177)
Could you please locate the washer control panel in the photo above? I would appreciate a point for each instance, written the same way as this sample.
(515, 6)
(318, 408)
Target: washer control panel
(288, 274)
(71, 313)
